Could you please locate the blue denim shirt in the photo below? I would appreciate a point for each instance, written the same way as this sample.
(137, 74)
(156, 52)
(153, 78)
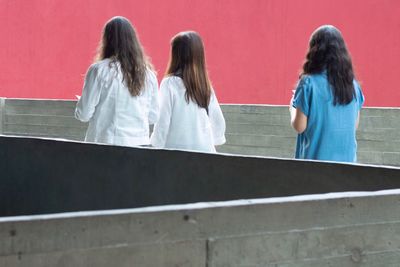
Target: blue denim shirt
(331, 129)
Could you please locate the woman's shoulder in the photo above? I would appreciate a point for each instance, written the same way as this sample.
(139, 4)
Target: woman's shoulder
(101, 64)
(357, 88)
(358, 91)
(356, 84)
(172, 81)
(315, 76)
(314, 80)
(305, 80)
(151, 75)
(101, 67)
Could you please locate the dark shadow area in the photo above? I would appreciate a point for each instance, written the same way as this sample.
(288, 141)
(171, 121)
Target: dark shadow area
(46, 176)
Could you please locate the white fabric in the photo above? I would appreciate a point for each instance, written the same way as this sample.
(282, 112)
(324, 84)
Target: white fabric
(115, 116)
(184, 125)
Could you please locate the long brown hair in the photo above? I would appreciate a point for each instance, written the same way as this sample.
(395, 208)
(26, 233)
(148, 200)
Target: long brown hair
(328, 52)
(120, 43)
(187, 61)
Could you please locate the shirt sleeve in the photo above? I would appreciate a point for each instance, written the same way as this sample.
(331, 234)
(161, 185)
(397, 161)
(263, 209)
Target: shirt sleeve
(302, 96)
(217, 121)
(161, 128)
(90, 95)
(360, 96)
(154, 109)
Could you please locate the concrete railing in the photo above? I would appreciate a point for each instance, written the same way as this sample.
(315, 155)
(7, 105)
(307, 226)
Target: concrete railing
(221, 224)
(46, 176)
(321, 230)
(251, 129)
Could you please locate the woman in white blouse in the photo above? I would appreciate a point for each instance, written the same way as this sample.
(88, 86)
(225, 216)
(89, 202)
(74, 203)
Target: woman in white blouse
(190, 116)
(120, 94)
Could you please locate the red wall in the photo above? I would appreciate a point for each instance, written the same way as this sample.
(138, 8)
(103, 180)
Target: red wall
(254, 48)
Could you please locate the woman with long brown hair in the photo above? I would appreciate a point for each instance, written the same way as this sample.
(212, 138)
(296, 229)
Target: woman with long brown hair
(190, 116)
(120, 94)
(326, 105)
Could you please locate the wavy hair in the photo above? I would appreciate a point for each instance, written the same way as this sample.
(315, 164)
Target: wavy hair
(328, 51)
(187, 60)
(120, 43)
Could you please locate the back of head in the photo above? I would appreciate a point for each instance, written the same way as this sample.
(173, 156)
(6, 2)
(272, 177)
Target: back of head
(187, 61)
(328, 51)
(120, 43)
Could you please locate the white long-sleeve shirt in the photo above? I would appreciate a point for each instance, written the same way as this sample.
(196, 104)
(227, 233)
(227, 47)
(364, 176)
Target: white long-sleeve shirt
(115, 116)
(184, 125)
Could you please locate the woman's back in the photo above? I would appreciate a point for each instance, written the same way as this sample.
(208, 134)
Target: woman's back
(331, 129)
(185, 125)
(190, 116)
(114, 115)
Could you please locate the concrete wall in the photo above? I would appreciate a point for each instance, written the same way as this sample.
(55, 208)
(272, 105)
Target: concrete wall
(47, 176)
(349, 230)
(41, 118)
(251, 129)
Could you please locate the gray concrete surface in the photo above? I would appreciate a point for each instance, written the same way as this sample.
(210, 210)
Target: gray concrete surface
(251, 129)
(42, 118)
(46, 176)
(341, 229)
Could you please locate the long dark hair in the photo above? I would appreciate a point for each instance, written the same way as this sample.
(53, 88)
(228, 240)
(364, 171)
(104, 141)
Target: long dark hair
(328, 52)
(187, 61)
(120, 43)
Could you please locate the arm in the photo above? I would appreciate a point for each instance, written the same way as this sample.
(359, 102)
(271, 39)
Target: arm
(358, 120)
(217, 121)
(154, 109)
(299, 105)
(298, 120)
(90, 95)
(161, 128)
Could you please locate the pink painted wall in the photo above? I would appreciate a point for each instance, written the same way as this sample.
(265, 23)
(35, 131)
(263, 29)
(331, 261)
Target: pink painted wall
(254, 48)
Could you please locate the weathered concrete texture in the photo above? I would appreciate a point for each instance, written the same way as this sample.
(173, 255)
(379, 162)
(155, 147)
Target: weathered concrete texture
(346, 244)
(251, 129)
(343, 229)
(185, 253)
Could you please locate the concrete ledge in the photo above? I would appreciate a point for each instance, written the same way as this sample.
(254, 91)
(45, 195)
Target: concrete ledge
(71, 176)
(351, 229)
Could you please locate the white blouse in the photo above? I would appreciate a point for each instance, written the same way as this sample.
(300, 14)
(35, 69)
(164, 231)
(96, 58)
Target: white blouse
(115, 116)
(185, 125)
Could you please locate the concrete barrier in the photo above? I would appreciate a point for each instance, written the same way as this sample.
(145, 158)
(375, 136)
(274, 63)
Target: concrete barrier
(67, 203)
(46, 176)
(262, 130)
(343, 229)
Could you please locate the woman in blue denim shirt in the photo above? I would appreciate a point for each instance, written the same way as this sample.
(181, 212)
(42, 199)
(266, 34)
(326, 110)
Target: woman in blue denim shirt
(326, 106)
